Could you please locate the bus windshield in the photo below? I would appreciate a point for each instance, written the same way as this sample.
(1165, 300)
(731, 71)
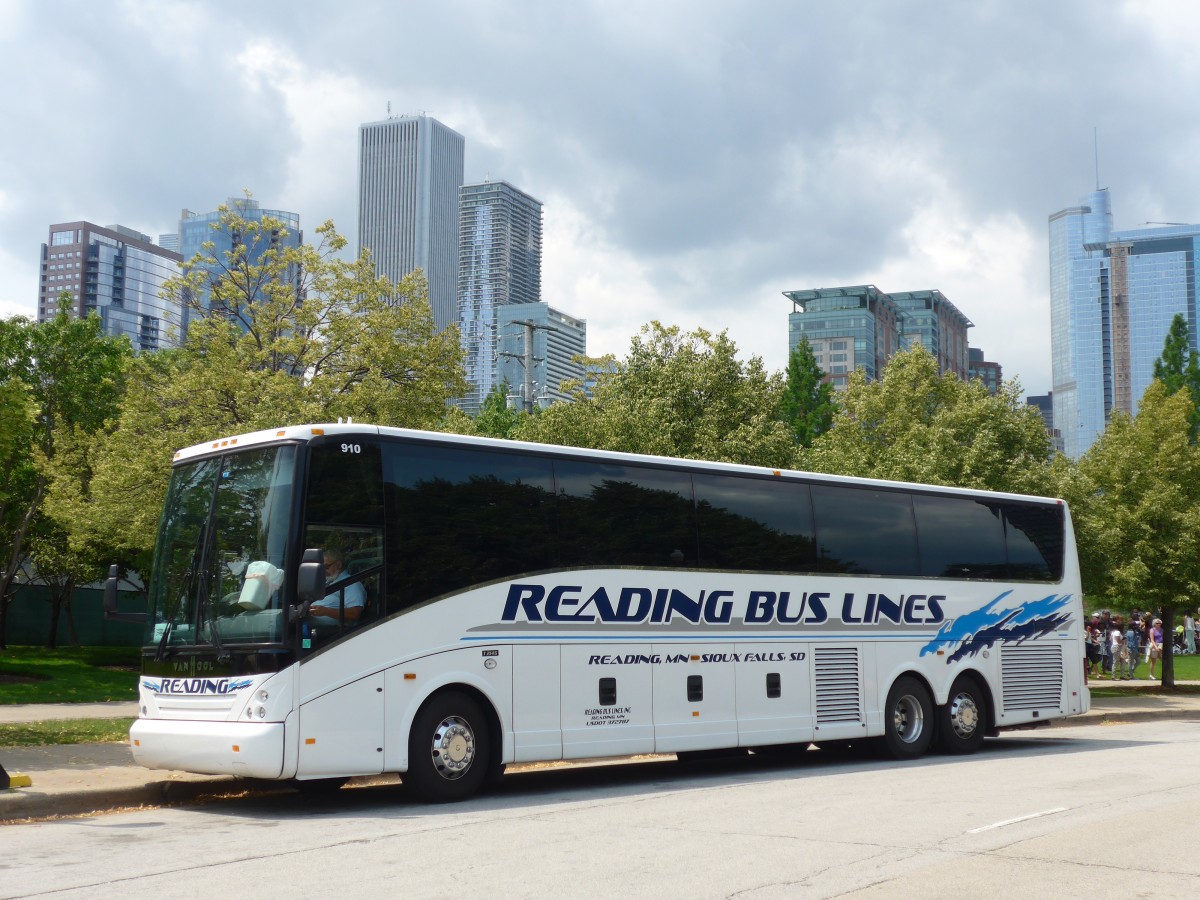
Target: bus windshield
(221, 552)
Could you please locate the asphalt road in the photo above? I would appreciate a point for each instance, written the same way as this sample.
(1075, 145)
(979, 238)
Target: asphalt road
(1100, 811)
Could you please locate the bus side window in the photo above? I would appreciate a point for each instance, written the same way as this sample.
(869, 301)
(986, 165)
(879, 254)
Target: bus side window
(865, 531)
(1034, 536)
(459, 516)
(960, 537)
(618, 514)
(754, 524)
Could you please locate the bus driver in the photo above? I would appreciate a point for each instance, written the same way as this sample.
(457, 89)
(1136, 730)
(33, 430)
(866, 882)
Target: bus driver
(354, 595)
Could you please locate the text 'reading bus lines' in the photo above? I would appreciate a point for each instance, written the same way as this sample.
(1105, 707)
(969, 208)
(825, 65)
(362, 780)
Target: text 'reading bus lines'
(340, 600)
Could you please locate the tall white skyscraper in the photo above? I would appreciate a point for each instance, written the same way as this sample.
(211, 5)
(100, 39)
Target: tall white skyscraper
(410, 170)
(500, 264)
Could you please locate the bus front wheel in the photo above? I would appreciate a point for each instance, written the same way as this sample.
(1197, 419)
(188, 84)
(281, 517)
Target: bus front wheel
(449, 749)
(908, 719)
(962, 722)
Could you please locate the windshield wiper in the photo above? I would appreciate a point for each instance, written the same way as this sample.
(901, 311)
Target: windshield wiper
(206, 615)
(184, 593)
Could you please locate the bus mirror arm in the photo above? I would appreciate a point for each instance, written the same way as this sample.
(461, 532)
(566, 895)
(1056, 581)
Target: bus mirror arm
(110, 600)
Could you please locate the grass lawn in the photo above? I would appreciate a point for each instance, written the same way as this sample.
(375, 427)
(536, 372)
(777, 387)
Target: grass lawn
(68, 731)
(68, 675)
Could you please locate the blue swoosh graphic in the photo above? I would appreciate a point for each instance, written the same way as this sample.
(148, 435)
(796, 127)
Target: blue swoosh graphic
(987, 626)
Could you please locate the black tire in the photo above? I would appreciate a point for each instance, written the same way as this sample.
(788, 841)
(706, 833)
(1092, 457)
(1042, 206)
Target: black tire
(449, 749)
(907, 719)
(963, 721)
(318, 786)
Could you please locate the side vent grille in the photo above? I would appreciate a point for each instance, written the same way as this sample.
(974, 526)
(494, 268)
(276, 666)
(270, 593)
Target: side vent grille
(838, 685)
(1032, 676)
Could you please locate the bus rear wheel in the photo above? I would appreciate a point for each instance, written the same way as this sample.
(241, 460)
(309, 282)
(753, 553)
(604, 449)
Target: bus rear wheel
(962, 722)
(907, 719)
(449, 749)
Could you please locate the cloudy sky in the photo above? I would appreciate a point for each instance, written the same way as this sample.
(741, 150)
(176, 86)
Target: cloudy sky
(695, 158)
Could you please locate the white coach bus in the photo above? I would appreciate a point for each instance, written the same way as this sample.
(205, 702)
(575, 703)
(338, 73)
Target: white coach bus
(338, 600)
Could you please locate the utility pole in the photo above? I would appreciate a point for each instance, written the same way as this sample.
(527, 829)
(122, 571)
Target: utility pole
(527, 359)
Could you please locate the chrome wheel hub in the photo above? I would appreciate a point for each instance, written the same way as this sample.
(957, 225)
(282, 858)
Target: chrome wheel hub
(453, 747)
(908, 718)
(964, 715)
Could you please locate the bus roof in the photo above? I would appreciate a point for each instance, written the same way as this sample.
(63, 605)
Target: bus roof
(296, 433)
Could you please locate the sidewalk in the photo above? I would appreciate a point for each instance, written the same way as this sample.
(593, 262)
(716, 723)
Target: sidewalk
(79, 779)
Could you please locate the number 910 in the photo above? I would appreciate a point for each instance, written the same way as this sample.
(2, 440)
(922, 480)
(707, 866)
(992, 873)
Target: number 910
(352, 448)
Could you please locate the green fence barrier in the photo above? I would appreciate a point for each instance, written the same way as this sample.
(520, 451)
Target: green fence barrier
(29, 619)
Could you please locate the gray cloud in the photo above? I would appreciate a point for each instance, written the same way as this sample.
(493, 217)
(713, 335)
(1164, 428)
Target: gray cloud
(730, 151)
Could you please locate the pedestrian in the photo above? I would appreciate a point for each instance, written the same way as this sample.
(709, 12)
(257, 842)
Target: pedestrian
(1189, 633)
(1120, 653)
(1106, 659)
(1154, 646)
(1093, 646)
(1133, 644)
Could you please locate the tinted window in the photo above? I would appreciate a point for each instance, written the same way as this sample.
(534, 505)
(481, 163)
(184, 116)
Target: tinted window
(755, 524)
(864, 531)
(624, 515)
(960, 537)
(458, 517)
(1035, 542)
(344, 485)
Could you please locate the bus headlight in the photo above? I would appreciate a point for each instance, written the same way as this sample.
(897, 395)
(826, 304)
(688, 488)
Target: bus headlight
(263, 696)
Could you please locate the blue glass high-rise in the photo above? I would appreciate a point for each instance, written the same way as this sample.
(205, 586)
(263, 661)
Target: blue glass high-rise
(1113, 295)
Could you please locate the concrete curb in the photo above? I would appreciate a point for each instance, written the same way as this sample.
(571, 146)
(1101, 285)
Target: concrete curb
(31, 804)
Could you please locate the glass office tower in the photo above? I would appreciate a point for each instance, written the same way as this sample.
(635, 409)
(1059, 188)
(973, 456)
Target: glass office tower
(195, 229)
(1113, 295)
(115, 272)
(500, 264)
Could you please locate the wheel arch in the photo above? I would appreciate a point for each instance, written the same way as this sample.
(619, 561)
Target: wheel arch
(475, 692)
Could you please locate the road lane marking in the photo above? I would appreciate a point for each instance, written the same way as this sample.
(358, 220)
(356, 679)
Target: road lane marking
(1036, 815)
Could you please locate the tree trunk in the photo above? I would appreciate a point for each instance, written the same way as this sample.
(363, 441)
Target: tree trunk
(55, 609)
(72, 634)
(1168, 647)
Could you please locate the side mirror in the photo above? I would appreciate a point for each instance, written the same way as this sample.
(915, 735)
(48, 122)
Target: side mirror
(110, 600)
(310, 580)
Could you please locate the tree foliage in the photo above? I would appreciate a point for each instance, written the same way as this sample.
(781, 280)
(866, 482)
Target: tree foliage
(62, 381)
(1179, 368)
(290, 335)
(1139, 512)
(917, 425)
(496, 418)
(807, 405)
(675, 394)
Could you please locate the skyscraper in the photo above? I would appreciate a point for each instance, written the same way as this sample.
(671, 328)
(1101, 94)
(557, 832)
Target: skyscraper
(860, 327)
(536, 349)
(1113, 295)
(929, 318)
(195, 229)
(410, 170)
(116, 272)
(500, 264)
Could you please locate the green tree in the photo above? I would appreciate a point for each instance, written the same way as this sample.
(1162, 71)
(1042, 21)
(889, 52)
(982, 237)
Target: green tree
(1179, 368)
(72, 381)
(675, 394)
(917, 425)
(496, 418)
(807, 405)
(289, 335)
(1139, 517)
